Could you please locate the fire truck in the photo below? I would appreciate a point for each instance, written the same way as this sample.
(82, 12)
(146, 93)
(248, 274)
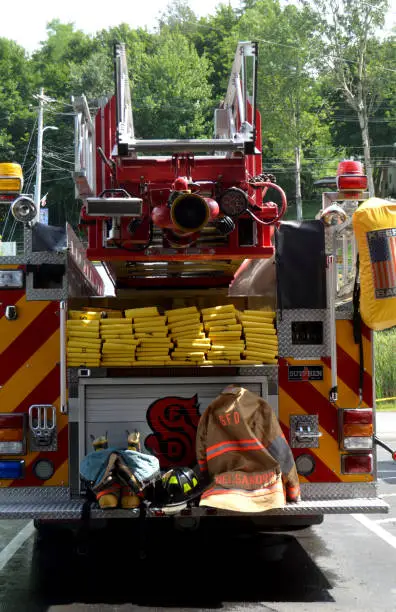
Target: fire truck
(174, 224)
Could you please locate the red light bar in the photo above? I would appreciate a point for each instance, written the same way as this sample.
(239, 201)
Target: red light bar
(357, 464)
(358, 416)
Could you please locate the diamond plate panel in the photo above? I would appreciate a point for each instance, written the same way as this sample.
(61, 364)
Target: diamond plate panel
(344, 311)
(72, 510)
(308, 423)
(338, 490)
(285, 318)
(57, 295)
(271, 372)
(10, 261)
(33, 494)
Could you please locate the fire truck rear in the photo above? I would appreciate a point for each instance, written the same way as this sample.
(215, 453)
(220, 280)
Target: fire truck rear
(182, 224)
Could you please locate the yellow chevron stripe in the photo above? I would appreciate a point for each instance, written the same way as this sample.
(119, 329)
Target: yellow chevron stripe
(328, 451)
(346, 342)
(346, 397)
(60, 478)
(27, 312)
(33, 371)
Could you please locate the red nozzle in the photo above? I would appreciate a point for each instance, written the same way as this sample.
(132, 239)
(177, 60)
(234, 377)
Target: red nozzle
(180, 184)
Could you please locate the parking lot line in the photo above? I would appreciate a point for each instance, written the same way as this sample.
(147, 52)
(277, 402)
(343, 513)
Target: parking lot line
(16, 543)
(376, 529)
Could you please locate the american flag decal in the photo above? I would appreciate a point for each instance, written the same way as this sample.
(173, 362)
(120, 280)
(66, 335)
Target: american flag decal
(382, 246)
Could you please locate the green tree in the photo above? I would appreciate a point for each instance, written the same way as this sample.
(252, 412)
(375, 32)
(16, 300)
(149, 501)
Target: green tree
(351, 58)
(16, 117)
(173, 96)
(216, 37)
(295, 137)
(177, 15)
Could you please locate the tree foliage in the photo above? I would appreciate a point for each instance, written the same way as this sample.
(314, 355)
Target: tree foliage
(319, 61)
(352, 57)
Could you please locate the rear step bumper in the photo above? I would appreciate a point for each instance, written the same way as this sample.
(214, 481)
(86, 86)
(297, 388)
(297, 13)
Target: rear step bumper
(54, 504)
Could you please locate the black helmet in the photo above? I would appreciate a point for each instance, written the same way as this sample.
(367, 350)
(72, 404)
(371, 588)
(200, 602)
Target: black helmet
(179, 484)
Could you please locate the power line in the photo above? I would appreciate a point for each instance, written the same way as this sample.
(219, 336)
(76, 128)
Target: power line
(29, 143)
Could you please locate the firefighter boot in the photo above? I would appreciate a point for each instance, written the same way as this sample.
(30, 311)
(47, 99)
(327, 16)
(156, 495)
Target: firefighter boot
(129, 499)
(134, 440)
(109, 497)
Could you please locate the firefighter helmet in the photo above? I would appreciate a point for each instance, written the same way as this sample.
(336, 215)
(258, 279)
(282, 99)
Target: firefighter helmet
(179, 484)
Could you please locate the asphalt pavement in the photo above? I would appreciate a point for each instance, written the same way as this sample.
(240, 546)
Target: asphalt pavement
(347, 564)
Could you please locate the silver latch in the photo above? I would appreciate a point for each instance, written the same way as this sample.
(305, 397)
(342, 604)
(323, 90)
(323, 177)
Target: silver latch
(304, 432)
(42, 426)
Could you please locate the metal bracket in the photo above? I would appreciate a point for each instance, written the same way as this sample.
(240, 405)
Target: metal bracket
(42, 426)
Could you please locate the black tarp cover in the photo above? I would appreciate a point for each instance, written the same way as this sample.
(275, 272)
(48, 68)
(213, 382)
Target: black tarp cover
(48, 238)
(301, 265)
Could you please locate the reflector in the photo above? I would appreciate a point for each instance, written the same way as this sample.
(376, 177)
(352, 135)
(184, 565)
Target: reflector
(11, 448)
(11, 435)
(358, 415)
(357, 464)
(358, 430)
(355, 443)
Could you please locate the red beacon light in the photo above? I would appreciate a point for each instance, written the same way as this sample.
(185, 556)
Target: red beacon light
(350, 176)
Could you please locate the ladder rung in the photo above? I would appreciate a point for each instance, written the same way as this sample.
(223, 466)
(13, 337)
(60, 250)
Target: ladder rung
(186, 145)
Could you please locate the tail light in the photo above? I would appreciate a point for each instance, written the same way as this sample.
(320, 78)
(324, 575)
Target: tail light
(357, 429)
(12, 434)
(357, 464)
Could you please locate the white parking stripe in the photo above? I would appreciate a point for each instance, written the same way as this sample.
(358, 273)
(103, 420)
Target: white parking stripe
(16, 543)
(377, 529)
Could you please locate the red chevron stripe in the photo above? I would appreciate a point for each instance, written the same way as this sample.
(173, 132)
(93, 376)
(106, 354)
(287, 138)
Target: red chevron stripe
(28, 342)
(348, 371)
(310, 400)
(46, 392)
(57, 457)
(322, 472)
(366, 331)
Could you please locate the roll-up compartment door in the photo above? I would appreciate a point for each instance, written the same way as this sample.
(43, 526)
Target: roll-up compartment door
(165, 412)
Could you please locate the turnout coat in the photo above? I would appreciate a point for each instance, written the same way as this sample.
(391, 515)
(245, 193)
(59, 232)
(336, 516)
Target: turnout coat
(243, 452)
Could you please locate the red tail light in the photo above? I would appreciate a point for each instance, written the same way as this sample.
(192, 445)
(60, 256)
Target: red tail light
(357, 429)
(361, 416)
(357, 464)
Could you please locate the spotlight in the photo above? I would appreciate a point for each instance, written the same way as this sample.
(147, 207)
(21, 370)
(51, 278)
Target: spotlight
(23, 209)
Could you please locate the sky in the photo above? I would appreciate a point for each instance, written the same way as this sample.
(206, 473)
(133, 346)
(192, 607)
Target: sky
(87, 15)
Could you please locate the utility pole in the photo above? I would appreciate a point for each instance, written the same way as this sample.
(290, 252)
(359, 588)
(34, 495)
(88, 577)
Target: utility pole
(39, 159)
(297, 148)
(297, 159)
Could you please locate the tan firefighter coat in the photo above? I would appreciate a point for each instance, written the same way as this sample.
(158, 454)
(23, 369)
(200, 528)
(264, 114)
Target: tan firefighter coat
(241, 448)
